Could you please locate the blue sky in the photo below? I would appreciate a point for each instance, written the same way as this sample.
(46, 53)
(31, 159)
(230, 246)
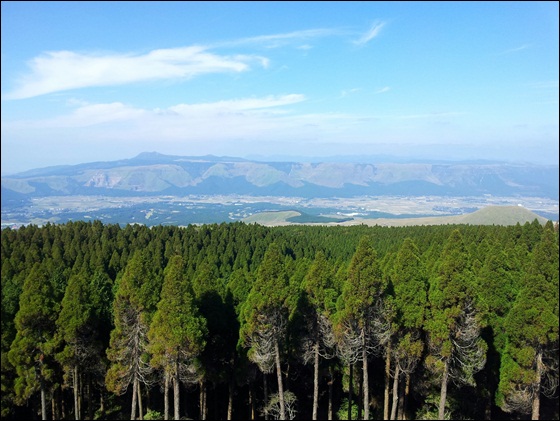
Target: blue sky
(99, 81)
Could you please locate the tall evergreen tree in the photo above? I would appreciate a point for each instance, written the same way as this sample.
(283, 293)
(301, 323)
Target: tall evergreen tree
(78, 329)
(410, 285)
(132, 316)
(361, 318)
(177, 332)
(530, 360)
(32, 351)
(456, 350)
(265, 315)
(319, 339)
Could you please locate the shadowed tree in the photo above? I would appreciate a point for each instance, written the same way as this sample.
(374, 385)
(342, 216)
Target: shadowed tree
(456, 351)
(360, 320)
(78, 329)
(265, 315)
(218, 357)
(530, 361)
(319, 338)
(32, 351)
(177, 333)
(132, 307)
(410, 297)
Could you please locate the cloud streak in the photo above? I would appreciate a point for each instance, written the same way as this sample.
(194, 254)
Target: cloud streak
(373, 32)
(280, 40)
(180, 115)
(65, 70)
(255, 118)
(515, 50)
(239, 105)
(58, 71)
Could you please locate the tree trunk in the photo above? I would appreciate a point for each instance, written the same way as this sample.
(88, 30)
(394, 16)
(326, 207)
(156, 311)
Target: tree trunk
(395, 392)
(280, 385)
(166, 395)
(230, 399)
(62, 406)
(176, 398)
(366, 380)
(387, 381)
(252, 401)
(360, 390)
(80, 395)
(140, 409)
(331, 381)
(350, 394)
(59, 400)
(404, 386)
(265, 396)
(316, 381)
(443, 394)
(53, 408)
(536, 399)
(101, 405)
(202, 401)
(76, 387)
(43, 401)
(90, 397)
(134, 396)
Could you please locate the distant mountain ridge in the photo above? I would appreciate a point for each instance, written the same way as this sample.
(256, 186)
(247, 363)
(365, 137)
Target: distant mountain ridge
(152, 173)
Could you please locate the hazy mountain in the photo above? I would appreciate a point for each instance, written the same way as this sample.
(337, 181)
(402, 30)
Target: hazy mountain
(157, 174)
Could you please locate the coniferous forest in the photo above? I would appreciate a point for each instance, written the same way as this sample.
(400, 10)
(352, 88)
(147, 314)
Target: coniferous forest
(239, 321)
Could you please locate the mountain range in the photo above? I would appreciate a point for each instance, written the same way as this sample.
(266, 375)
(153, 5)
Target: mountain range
(152, 173)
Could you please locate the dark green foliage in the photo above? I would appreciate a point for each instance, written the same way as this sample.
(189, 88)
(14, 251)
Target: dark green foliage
(73, 294)
(410, 282)
(530, 359)
(364, 284)
(178, 332)
(319, 284)
(33, 348)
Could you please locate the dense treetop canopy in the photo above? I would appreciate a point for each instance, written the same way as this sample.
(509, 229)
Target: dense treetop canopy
(100, 320)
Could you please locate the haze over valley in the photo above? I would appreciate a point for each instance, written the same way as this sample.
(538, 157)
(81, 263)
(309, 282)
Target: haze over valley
(155, 189)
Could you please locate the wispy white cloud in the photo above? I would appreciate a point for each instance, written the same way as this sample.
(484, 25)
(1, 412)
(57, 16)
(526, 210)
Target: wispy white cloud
(59, 71)
(92, 115)
(346, 92)
(373, 31)
(280, 40)
(238, 105)
(254, 119)
(425, 115)
(181, 115)
(383, 90)
(64, 70)
(516, 49)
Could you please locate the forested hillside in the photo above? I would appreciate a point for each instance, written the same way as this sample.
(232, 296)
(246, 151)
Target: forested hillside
(241, 321)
